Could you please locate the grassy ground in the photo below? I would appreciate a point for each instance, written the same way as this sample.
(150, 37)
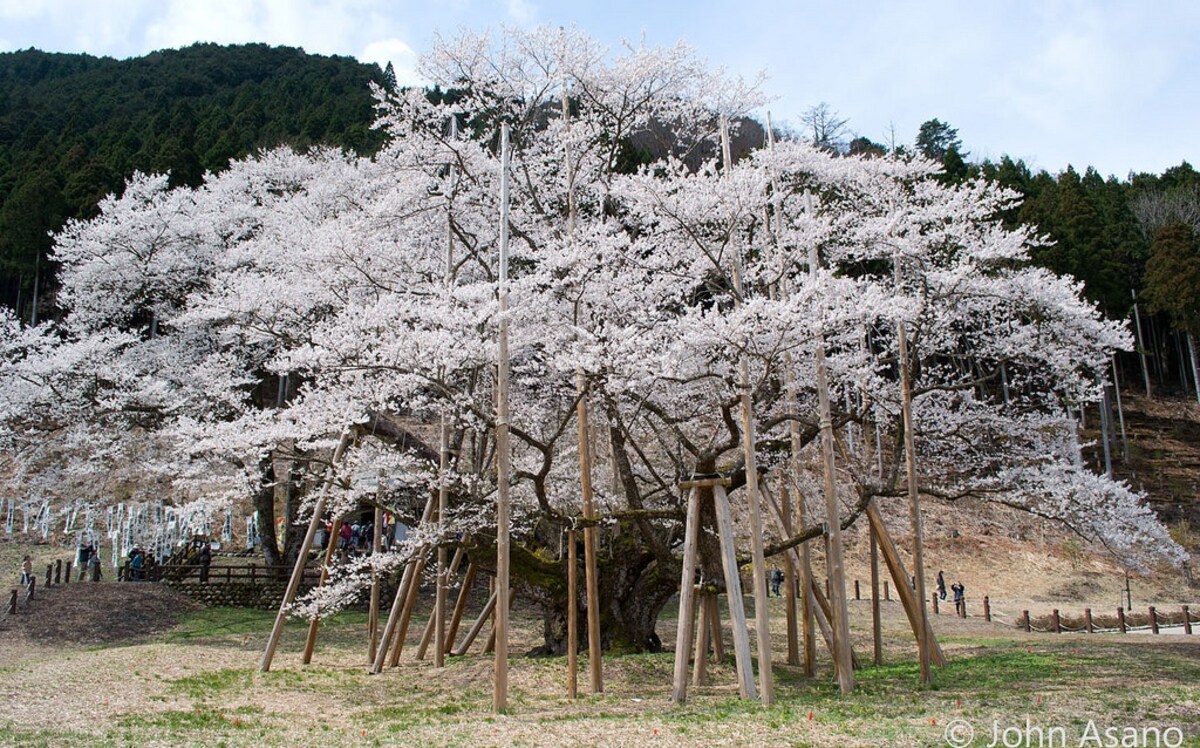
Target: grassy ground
(198, 684)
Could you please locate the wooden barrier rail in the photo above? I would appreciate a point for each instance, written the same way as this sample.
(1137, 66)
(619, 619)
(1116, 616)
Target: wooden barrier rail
(216, 573)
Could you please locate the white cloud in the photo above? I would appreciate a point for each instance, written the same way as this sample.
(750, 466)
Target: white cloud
(522, 12)
(402, 57)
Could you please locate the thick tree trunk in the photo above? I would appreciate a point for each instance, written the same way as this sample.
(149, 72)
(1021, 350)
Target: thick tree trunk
(264, 504)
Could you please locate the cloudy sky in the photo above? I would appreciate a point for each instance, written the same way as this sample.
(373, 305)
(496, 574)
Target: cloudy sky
(1114, 84)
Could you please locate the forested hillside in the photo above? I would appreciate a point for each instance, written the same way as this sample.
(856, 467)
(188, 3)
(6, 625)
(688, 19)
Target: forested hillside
(74, 127)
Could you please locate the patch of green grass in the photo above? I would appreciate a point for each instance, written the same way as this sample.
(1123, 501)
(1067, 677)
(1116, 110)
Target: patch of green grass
(180, 720)
(206, 685)
(213, 623)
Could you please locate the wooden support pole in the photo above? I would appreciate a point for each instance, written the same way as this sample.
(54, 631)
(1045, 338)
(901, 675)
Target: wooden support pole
(58, 571)
(857, 592)
(460, 605)
(1153, 620)
(1087, 620)
(67, 574)
(310, 642)
(410, 604)
(1025, 621)
(876, 620)
(373, 610)
(442, 580)
(1187, 620)
(714, 621)
(491, 642)
(302, 557)
(687, 587)
(895, 566)
(428, 635)
(789, 580)
(50, 571)
(1057, 622)
(1120, 620)
(393, 621)
(934, 599)
(733, 588)
(825, 608)
(703, 630)
(910, 463)
(887, 592)
(762, 625)
(503, 454)
(572, 617)
(591, 575)
(987, 609)
(12, 603)
(476, 627)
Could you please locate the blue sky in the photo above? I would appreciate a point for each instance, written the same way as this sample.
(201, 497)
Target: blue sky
(1115, 85)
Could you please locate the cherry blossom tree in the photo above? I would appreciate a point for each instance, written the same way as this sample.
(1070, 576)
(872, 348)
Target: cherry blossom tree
(218, 341)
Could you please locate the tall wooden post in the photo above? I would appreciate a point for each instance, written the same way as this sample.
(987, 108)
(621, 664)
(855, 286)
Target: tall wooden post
(376, 548)
(804, 565)
(876, 622)
(439, 603)
(500, 688)
(591, 575)
(572, 617)
(837, 575)
(302, 558)
(789, 579)
(687, 587)
(762, 625)
(914, 506)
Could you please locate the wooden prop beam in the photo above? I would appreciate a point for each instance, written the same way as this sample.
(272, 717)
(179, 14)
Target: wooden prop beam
(714, 620)
(503, 455)
(428, 635)
(476, 627)
(591, 575)
(393, 621)
(762, 625)
(687, 587)
(891, 559)
(410, 603)
(703, 630)
(373, 612)
(302, 558)
(460, 605)
(733, 588)
(310, 643)
(438, 619)
(572, 617)
(790, 572)
(876, 620)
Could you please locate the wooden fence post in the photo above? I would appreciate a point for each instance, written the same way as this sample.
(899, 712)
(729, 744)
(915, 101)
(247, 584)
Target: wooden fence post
(857, 594)
(1057, 622)
(887, 594)
(58, 571)
(67, 574)
(987, 609)
(1187, 622)
(49, 573)
(1087, 616)
(1121, 620)
(962, 608)
(12, 604)
(1025, 621)
(32, 585)
(934, 598)
(1153, 619)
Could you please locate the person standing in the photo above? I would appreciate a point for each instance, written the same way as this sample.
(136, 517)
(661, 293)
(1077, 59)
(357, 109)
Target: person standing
(960, 600)
(941, 586)
(205, 561)
(26, 570)
(94, 565)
